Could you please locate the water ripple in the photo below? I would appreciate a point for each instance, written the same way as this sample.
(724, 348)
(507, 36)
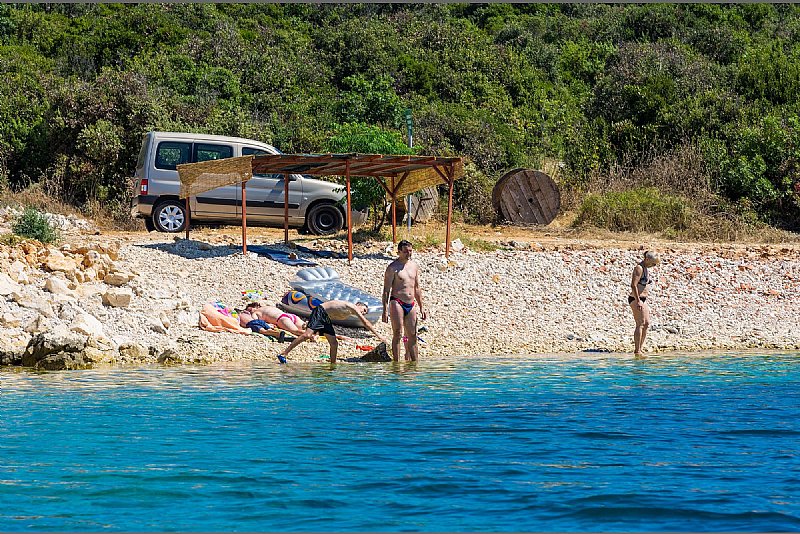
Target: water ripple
(546, 443)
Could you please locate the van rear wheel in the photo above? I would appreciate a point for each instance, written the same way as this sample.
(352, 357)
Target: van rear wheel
(324, 219)
(170, 216)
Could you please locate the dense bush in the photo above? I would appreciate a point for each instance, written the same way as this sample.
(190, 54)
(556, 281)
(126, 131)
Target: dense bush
(636, 210)
(596, 86)
(33, 224)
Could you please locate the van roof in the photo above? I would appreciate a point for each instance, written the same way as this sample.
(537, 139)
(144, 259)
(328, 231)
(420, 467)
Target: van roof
(207, 137)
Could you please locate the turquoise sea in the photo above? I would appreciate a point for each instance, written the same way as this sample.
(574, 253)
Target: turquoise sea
(589, 443)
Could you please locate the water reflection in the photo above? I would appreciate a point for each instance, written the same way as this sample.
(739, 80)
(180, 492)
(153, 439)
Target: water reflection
(488, 372)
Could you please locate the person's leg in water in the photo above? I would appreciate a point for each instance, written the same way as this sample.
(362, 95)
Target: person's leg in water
(334, 343)
(642, 318)
(305, 336)
(396, 316)
(410, 328)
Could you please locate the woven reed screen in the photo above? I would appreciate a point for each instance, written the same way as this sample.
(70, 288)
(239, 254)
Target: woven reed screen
(200, 177)
(422, 178)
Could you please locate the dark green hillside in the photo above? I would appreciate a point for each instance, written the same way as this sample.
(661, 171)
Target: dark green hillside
(699, 101)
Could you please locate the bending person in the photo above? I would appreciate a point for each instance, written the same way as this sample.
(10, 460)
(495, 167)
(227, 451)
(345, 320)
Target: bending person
(402, 298)
(321, 322)
(637, 300)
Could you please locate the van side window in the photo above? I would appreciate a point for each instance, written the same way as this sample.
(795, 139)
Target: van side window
(247, 150)
(170, 154)
(206, 152)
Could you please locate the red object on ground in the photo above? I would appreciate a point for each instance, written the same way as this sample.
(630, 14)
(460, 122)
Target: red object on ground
(365, 348)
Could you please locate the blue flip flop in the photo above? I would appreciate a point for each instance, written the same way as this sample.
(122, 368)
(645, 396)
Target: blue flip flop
(281, 358)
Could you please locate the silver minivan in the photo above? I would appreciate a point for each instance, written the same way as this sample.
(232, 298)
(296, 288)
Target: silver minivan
(314, 205)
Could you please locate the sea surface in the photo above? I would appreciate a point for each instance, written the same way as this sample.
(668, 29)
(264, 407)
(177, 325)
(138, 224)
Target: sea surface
(549, 443)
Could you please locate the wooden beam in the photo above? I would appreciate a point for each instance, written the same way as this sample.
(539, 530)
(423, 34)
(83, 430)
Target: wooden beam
(286, 208)
(244, 219)
(400, 183)
(394, 212)
(349, 216)
(445, 178)
(187, 217)
(383, 185)
(450, 181)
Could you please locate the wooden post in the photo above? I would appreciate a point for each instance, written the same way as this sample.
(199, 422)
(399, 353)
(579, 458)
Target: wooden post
(394, 212)
(450, 181)
(244, 219)
(349, 214)
(286, 208)
(187, 218)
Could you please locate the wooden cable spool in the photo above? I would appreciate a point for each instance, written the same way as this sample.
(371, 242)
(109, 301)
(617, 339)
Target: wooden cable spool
(526, 196)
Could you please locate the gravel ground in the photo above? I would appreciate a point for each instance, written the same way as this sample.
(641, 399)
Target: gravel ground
(549, 296)
(548, 299)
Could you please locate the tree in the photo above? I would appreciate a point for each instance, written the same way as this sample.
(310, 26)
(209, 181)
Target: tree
(366, 139)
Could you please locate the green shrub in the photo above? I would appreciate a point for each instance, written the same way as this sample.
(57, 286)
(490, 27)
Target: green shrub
(366, 139)
(34, 225)
(635, 210)
(10, 240)
(473, 196)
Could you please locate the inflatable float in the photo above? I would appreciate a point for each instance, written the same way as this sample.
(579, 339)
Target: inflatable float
(315, 285)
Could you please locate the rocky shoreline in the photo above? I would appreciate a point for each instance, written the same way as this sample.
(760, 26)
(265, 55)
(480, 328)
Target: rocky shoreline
(134, 298)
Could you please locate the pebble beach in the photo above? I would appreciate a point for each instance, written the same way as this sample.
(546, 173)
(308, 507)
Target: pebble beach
(556, 297)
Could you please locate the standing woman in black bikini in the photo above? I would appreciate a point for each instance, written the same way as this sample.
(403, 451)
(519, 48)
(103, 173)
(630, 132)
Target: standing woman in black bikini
(640, 284)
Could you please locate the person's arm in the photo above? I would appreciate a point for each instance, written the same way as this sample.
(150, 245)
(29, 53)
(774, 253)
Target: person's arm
(365, 321)
(388, 278)
(418, 294)
(637, 275)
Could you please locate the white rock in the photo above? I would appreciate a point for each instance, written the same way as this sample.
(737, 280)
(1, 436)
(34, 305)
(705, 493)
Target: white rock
(57, 286)
(17, 272)
(117, 278)
(87, 325)
(7, 285)
(10, 320)
(34, 302)
(60, 264)
(40, 323)
(187, 318)
(117, 297)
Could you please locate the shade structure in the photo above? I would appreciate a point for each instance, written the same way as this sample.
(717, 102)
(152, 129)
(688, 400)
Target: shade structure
(399, 175)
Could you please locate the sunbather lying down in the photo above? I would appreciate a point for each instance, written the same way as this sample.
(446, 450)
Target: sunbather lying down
(274, 316)
(248, 319)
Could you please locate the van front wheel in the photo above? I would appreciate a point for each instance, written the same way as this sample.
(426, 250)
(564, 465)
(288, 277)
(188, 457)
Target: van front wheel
(170, 216)
(324, 219)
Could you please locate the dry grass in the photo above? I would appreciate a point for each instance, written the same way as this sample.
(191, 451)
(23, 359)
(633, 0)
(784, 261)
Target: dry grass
(113, 215)
(679, 204)
(35, 197)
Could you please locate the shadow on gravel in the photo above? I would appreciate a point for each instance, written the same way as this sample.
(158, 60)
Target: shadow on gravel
(194, 250)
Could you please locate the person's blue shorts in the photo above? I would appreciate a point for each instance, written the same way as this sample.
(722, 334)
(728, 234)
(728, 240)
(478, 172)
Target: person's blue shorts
(257, 324)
